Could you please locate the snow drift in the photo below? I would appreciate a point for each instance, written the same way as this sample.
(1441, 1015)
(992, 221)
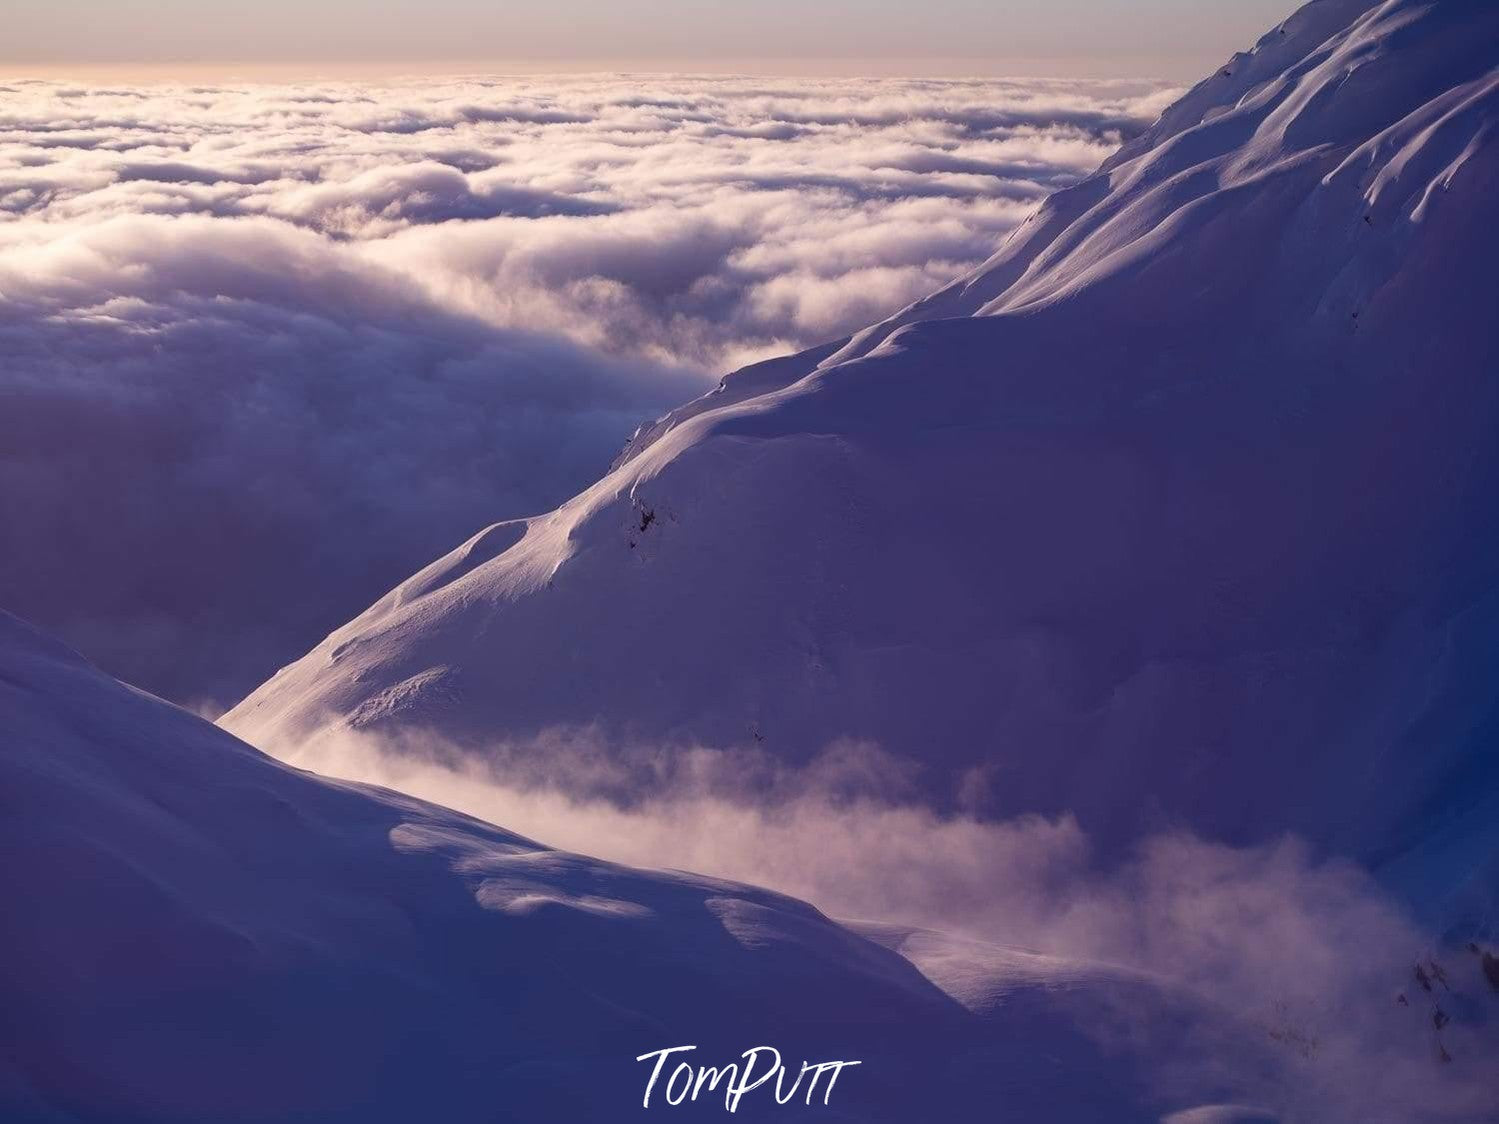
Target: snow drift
(1179, 511)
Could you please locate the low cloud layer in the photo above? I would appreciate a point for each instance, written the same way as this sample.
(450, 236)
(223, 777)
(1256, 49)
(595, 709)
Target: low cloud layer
(265, 350)
(1307, 951)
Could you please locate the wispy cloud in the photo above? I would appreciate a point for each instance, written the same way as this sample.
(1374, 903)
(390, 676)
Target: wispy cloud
(1307, 951)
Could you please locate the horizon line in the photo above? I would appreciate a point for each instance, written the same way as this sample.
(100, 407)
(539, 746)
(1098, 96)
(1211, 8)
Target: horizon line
(1126, 66)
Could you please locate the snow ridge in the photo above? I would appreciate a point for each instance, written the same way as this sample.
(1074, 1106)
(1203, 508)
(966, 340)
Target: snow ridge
(1179, 509)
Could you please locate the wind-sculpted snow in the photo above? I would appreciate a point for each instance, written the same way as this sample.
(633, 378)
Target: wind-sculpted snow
(1153, 567)
(293, 341)
(1179, 511)
(197, 932)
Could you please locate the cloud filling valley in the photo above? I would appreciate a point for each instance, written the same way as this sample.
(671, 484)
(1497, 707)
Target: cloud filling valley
(270, 348)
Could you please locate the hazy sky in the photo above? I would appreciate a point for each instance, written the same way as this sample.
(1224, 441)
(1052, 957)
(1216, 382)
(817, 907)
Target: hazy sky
(1169, 37)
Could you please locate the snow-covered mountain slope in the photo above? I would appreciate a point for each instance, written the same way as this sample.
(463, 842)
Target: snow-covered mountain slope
(1181, 510)
(196, 932)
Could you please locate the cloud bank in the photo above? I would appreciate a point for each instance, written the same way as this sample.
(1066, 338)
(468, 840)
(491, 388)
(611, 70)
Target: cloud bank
(265, 350)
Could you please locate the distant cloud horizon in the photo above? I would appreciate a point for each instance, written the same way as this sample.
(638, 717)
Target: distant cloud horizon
(1180, 70)
(1175, 39)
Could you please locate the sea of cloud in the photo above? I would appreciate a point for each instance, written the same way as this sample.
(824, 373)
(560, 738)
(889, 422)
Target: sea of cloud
(267, 349)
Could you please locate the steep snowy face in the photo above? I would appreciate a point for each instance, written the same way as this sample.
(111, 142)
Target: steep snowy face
(1180, 510)
(196, 932)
